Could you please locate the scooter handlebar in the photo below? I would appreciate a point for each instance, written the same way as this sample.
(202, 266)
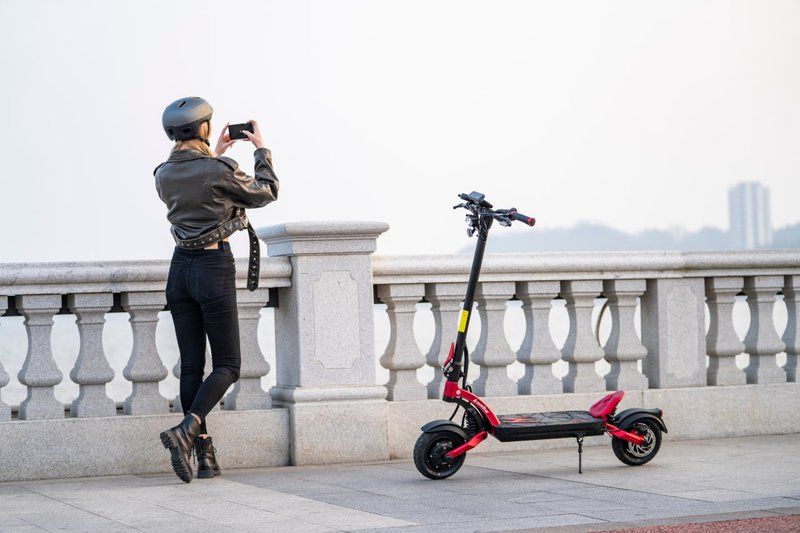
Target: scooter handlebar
(515, 215)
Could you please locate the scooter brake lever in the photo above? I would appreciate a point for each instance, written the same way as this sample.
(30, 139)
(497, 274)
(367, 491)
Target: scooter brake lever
(501, 216)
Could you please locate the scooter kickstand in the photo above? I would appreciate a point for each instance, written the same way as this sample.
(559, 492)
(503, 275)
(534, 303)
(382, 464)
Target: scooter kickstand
(580, 453)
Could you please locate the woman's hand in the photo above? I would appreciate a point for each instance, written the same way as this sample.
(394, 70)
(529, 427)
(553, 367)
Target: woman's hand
(224, 142)
(255, 137)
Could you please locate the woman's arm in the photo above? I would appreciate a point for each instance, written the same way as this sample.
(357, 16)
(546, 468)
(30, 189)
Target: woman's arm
(258, 191)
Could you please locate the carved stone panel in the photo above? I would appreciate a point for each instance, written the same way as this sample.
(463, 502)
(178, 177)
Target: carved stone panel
(335, 295)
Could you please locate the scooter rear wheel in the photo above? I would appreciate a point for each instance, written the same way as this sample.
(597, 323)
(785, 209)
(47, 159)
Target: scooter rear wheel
(429, 454)
(638, 454)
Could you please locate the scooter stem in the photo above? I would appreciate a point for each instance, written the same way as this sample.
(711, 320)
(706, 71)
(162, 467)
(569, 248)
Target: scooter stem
(469, 298)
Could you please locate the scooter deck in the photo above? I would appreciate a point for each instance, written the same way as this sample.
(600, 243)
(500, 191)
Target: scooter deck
(549, 425)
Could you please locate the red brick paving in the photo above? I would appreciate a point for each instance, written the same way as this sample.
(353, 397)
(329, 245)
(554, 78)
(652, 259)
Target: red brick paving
(746, 525)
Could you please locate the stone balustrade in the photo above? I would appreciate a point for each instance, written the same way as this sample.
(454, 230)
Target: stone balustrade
(673, 288)
(324, 281)
(39, 292)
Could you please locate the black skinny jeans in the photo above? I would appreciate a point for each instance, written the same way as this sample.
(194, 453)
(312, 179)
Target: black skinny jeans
(201, 294)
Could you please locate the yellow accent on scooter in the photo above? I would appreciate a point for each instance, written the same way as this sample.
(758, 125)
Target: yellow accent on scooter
(462, 323)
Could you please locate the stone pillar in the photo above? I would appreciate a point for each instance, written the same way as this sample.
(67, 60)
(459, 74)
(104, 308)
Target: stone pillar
(5, 410)
(91, 371)
(39, 371)
(325, 342)
(144, 369)
(673, 331)
(791, 337)
(537, 352)
(402, 357)
(445, 299)
(762, 341)
(623, 349)
(581, 350)
(492, 352)
(247, 393)
(722, 342)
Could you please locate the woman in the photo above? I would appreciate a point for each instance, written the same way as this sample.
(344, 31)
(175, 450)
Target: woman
(205, 196)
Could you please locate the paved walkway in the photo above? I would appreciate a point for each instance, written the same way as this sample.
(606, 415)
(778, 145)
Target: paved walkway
(688, 482)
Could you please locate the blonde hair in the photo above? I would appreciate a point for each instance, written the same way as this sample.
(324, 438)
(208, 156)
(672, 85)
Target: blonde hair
(196, 144)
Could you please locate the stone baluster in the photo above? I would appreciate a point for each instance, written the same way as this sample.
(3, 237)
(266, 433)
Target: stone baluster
(624, 349)
(762, 341)
(445, 299)
(144, 369)
(537, 352)
(247, 393)
(493, 352)
(91, 371)
(581, 349)
(39, 371)
(402, 357)
(5, 410)
(722, 342)
(791, 337)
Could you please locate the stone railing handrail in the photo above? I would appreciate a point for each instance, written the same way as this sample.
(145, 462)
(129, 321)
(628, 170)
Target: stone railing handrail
(390, 269)
(116, 276)
(322, 237)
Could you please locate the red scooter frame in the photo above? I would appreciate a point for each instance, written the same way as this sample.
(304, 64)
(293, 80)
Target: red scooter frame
(440, 450)
(602, 409)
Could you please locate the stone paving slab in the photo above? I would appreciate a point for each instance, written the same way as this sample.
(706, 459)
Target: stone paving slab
(754, 476)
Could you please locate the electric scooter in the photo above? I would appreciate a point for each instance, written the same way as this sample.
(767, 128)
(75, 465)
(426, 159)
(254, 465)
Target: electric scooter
(441, 449)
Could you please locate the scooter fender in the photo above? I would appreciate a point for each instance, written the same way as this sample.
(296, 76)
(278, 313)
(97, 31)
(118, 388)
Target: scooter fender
(628, 417)
(442, 425)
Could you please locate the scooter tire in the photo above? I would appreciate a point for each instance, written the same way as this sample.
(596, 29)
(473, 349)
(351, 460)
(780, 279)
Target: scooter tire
(429, 451)
(633, 455)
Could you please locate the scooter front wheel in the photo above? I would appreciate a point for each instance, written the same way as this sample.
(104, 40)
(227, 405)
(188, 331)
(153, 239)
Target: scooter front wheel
(638, 454)
(430, 454)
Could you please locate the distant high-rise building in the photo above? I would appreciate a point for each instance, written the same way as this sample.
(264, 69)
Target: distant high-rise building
(748, 206)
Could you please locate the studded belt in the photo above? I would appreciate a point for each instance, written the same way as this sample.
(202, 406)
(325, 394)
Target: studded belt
(223, 231)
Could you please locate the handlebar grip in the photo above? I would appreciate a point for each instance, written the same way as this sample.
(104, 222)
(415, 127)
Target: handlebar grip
(523, 218)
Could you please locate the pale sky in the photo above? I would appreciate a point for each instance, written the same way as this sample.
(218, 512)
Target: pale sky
(635, 114)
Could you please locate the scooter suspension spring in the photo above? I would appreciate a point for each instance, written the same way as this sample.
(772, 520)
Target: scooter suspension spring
(469, 424)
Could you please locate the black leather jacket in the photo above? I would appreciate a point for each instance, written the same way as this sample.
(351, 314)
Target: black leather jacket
(203, 193)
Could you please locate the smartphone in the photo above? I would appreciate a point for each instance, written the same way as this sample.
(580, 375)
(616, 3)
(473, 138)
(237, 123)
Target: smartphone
(236, 130)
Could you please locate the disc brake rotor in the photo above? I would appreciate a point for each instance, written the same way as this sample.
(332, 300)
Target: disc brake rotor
(646, 447)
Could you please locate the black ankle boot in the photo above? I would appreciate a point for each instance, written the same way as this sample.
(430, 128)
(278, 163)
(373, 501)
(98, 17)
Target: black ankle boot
(207, 466)
(178, 441)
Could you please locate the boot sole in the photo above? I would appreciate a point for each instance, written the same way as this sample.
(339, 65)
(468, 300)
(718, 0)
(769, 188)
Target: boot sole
(179, 465)
(205, 474)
